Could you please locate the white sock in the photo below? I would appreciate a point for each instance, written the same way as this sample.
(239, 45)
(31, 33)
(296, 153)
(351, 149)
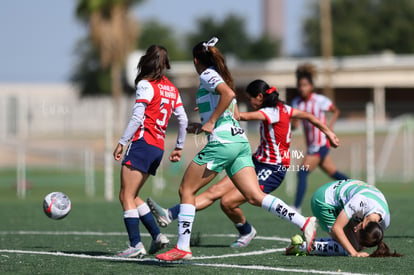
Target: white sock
(143, 209)
(327, 247)
(132, 213)
(279, 208)
(185, 225)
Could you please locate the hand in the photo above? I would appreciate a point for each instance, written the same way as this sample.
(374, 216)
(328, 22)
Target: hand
(208, 127)
(118, 151)
(333, 139)
(194, 128)
(175, 155)
(360, 254)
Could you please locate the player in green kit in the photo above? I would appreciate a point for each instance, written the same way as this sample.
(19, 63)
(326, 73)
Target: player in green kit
(354, 213)
(227, 149)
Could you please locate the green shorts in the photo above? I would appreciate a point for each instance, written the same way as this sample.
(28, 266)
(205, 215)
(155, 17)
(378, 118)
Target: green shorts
(229, 156)
(324, 212)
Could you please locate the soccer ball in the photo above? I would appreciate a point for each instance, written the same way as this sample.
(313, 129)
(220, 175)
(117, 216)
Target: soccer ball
(56, 205)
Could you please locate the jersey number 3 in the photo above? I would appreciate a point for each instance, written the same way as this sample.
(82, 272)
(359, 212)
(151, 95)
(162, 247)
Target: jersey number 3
(164, 111)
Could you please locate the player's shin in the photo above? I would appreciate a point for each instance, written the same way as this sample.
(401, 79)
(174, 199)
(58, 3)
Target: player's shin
(280, 209)
(185, 225)
(327, 247)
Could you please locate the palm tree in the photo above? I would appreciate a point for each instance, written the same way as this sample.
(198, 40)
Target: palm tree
(114, 32)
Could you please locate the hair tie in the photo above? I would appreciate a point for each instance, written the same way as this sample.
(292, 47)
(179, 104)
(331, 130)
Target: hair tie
(211, 43)
(271, 90)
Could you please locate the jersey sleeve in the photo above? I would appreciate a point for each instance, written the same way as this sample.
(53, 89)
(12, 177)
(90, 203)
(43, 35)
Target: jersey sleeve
(211, 79)
(179, 102)
(272, 114)
(325, 102)
(145, 92)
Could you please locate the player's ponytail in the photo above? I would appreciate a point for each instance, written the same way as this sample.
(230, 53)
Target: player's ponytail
(307, 71)
(210, 56)
(371, 236)
(383, 250)
(153, 64)
(270, 94)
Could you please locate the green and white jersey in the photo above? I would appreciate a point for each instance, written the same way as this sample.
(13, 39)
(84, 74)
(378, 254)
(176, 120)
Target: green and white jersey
(227, 128)
(358, 199)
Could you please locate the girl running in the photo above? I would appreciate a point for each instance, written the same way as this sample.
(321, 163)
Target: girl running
(156, 99)
(227, 148)
(271, 160)
(316, 142)
(354, 203)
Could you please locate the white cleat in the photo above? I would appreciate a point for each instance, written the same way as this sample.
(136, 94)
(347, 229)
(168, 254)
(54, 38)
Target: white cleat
(244, 240)
(132, 252)
(309, 231)
(161, 215)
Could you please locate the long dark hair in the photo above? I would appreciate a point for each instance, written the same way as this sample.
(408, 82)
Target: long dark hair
(211, 56)
(371, 236)
(153, 64)
(270, 94)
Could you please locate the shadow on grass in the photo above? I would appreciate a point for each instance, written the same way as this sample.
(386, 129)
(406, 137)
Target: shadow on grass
(88, 253)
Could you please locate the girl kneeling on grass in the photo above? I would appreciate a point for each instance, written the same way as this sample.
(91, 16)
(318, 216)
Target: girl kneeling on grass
(355, 214)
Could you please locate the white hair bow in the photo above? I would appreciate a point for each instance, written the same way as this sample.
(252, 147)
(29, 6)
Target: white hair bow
(211, 43)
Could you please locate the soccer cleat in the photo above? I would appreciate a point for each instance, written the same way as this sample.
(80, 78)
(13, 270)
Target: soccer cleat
(131, 252)
(161, 214)
(175, 254)
(309, 231)
(244, 240)
(161, 242)
(297, 246)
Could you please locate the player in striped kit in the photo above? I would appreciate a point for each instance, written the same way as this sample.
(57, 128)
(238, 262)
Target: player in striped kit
(355, 214)
(271, 160)
(316, 142)
(156, 99)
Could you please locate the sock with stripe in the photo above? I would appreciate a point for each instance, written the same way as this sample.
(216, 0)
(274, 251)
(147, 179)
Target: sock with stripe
(185, 225)
(148, 220)
(280, 209)
(131, 220)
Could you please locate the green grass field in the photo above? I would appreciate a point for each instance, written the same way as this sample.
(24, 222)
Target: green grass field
(87, 239)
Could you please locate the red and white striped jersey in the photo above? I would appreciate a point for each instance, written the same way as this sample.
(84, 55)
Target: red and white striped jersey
(275, 135)
(317, 105)
(162, 98)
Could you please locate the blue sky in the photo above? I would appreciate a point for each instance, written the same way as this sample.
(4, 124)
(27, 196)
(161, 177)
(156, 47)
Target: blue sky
(37, 41)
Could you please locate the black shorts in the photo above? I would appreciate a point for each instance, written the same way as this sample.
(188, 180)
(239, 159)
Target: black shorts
(143, 157)
(270, 176)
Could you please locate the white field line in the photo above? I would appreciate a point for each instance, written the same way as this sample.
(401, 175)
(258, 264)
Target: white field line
(91, 233)
(249, 267)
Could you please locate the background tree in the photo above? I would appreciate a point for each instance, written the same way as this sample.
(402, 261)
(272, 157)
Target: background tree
(153, 32)
(113, 32)
(364, 27)
(234, 39)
